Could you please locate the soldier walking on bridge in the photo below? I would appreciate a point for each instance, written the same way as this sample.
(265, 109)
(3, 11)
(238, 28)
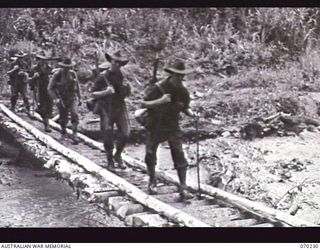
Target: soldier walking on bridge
(18, 80)
(109, 91)
(64, 90)
(39, 84)
(165, 100)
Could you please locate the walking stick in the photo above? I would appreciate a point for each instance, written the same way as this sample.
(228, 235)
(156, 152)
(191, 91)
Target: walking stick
(197, 156)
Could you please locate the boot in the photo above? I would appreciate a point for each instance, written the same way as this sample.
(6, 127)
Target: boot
(74, 135)
(110, 162)
(184, 194)
(46, 126)
(13, 104)
(152, 186)
(63, 133)
(28, 112)
(119, 161)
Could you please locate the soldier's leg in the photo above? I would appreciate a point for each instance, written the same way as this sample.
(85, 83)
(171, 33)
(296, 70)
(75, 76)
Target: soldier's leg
(123, 125)
(107, 130)
(63, 120)
(23, 91)
(151, 162)
(74, 120)
(44, 110)
(49, 106)
(14, 96)
(180, 163)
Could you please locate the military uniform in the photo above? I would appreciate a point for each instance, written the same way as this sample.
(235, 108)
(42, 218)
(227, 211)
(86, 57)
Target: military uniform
(163, 125)
(112, 110)
(40, 86)
(111, 106)
(18, 83)
(66, 89)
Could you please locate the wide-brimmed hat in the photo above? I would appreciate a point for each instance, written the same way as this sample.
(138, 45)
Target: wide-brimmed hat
(116, 56)
(66, 62)
(20, 54)
(102, 66)
(42, 56)
(178, 67)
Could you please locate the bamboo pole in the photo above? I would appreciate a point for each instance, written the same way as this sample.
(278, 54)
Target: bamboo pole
(246, 204)
(168, 211)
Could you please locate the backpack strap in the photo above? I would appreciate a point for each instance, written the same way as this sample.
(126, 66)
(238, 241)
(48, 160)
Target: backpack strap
(105, 78)
(158, 84)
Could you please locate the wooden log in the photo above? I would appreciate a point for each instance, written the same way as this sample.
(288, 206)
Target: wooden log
(241, 223)
(51, 160)
(53, 119)
(246, 204)
(176, 215)
(149, 220)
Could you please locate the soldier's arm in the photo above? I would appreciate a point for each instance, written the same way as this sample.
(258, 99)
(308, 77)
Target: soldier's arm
(166, 98)
(101, 88)
(185, 105)
(16, 67)
(77, 85)
(51, 87)
(155, 98)
(78, 90)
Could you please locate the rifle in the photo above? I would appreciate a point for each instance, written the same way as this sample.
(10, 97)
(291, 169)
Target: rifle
(154, 78)
(96, 61)
(198, 156)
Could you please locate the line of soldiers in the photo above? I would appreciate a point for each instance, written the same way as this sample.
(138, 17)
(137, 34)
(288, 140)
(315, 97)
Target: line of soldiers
(164, 101)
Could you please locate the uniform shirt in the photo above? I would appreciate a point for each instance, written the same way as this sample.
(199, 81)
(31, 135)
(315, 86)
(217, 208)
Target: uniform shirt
(165, 117)
(41, 82)
(15, 78)
(115, 79)
(67, 87)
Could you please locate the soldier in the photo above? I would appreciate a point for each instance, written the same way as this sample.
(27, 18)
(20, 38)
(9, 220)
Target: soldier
(109, 91)
(165, 100)
(18, 79)
(40, 80)
(64, 90)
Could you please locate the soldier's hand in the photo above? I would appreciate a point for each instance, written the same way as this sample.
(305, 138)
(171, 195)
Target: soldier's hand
(36, 74)
(166, 98)
(110, 90)
(195, 115)
(56, 102)
(94, 95)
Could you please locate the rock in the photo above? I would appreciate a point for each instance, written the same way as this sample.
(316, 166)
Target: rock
(294, 209)
(226, 134)
(237, 135)
(216, 122)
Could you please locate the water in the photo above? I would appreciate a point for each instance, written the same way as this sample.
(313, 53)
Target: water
(31, 196)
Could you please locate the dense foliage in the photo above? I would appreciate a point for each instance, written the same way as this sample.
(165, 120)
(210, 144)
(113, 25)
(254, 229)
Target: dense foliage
(229, 47)
(217, 40)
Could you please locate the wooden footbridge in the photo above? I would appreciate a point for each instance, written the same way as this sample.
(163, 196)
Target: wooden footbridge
(124, 192)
